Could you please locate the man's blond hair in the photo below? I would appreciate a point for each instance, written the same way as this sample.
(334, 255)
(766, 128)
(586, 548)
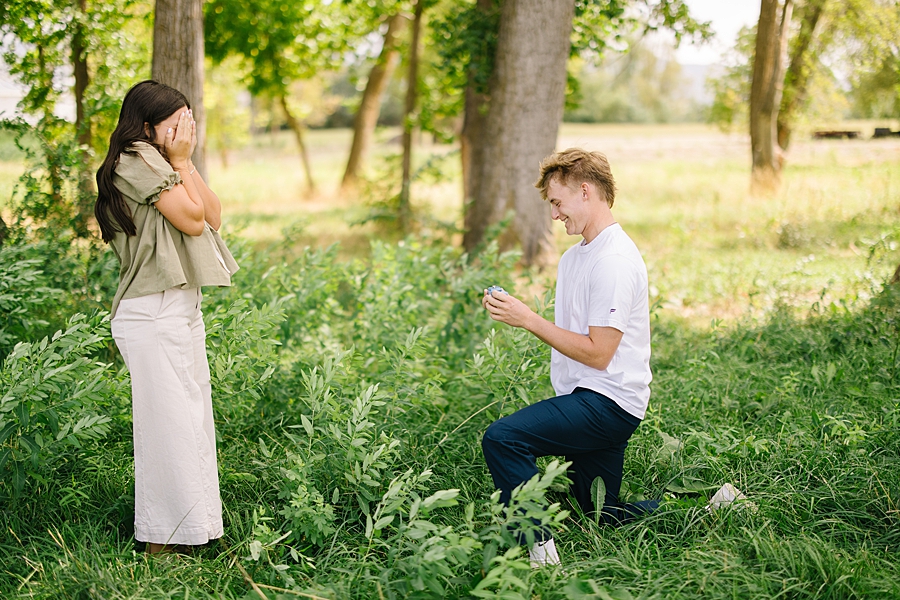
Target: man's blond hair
(574, 166)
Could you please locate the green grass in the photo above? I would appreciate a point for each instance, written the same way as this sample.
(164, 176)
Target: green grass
(776, 360)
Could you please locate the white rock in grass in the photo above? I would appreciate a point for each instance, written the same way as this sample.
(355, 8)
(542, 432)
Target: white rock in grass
(727, 495)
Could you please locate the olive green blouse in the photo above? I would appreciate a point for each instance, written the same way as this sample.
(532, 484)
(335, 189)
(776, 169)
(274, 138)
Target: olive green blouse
(160, 256)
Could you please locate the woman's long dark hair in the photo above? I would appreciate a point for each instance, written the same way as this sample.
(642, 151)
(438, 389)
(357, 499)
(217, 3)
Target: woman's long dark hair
(147, 103)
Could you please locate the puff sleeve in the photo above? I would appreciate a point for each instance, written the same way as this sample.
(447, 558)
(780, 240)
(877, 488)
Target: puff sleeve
(142, 174)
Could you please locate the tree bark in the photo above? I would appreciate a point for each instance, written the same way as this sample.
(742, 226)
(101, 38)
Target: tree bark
(370, 105)
(403, 210)
(472, 142)
(82, 77)
(527, 95)
(178, 60)
(84, 202)
(56, 178)
(297, 128)
(765, 94)
(799, 69)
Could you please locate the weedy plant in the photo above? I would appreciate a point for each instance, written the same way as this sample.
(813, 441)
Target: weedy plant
(53, 397)
(351, 397)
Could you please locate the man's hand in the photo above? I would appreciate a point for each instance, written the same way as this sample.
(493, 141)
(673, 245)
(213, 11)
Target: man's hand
(507, 309)
(596, 349)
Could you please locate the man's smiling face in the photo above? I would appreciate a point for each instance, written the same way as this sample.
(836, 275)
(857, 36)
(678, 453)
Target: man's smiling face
(568, 205)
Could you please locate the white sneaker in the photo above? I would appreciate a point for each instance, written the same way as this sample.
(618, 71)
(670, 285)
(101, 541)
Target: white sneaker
(543, 554)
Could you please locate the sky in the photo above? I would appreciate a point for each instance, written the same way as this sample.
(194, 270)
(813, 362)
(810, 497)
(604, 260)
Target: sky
(727, 17)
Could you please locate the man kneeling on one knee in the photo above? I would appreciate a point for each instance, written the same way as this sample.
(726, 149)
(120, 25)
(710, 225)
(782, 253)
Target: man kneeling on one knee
(600, 359)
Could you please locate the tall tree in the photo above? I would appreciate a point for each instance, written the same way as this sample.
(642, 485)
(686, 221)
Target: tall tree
(473, 137)
(800, 68)
(178, 59)
(85, 198)
(526, 105)
(857, 37)
(765, 93)
(299, 130)
(282, 43)
(515, 82)
(40, 40)
(370, 105)
(412, 79)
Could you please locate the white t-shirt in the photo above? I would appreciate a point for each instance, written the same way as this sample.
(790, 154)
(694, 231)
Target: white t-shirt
(604, 284)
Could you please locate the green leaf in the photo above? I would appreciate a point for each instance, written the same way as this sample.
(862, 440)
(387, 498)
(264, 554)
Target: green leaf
(689, 484)
(381, 523)
(598, 493)
(307, 425)
(671, 445)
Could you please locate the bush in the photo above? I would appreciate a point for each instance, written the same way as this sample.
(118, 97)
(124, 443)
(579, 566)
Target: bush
(52, 394)
(350, 400)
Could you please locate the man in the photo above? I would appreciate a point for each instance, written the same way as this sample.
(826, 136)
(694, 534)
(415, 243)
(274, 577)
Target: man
(600, 364)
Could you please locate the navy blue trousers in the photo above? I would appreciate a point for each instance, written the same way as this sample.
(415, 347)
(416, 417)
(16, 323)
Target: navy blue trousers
(585, 427)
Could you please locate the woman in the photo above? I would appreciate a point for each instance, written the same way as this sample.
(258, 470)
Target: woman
(161, 219)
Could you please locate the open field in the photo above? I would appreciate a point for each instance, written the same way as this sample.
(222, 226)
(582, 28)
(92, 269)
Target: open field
(713, 251)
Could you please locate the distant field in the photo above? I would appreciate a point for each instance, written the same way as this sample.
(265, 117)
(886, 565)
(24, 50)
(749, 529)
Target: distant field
(713, 251)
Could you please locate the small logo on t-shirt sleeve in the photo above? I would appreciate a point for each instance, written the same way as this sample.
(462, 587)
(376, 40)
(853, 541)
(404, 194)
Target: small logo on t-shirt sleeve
(612, 310)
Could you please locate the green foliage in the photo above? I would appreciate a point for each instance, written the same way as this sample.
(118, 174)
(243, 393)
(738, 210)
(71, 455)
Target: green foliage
(281, 42)
(51, 392)
(46, 196)
(638, 87)
(876, 93)
(463, 38)
(23, 292)
(866, 35)
(42, 283)
(56, 190)
(351, 396)
(240, 337)
(228, 119)
(731, 90)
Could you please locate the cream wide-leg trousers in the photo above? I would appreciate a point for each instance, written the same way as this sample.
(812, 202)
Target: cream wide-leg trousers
(176, 494)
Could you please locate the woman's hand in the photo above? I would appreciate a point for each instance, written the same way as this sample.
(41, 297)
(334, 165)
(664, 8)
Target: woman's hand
(181, 141)
(193, 135)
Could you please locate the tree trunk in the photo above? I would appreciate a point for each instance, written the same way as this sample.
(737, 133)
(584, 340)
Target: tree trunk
(84, 202)
(527, 95)
(472, 142)
(765, 94)
(799, 69)
(178, 60)
(45, 76)
(403, 210)
(297, 128)
(370, 105)
(471, 146)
